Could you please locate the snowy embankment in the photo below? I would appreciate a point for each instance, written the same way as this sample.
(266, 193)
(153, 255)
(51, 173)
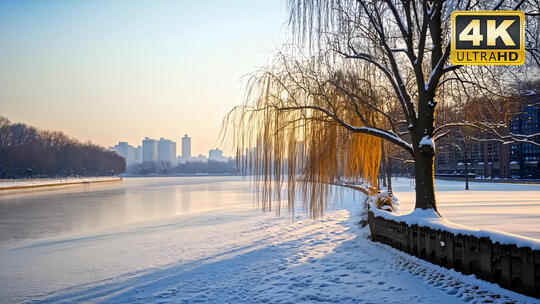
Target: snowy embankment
(237, 256)
(17, 184)
(430, 219)
(512, 208)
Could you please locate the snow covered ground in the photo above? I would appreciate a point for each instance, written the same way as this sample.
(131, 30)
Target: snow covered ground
(512, 208)
(231, 254)
(5, 184)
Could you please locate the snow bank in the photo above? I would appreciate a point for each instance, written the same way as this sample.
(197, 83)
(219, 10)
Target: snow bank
(31, 183)
(429, 218)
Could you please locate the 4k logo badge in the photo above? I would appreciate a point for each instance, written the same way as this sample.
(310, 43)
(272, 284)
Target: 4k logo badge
(487, 37)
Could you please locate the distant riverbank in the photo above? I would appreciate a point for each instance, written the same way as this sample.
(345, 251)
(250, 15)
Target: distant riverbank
(180, 175)
(21, 184)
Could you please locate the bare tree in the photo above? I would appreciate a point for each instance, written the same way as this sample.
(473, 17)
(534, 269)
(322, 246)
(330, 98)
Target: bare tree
(401, 49)
(29, 152)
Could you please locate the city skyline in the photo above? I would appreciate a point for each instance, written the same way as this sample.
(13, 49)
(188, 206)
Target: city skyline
(164, 150)
(108, 71)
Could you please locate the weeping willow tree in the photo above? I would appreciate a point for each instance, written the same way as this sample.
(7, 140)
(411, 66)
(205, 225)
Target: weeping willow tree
(386, 66)
(304, 126)
(408, 43)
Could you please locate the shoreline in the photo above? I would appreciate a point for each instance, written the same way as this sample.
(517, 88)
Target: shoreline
(455, 179)
(58, 183)
(493, 180)
(181, 175)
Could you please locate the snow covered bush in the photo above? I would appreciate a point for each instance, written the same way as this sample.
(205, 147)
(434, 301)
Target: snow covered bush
(386, 201)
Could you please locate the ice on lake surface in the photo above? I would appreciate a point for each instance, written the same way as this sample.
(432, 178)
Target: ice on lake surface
(199, 239)
(92, 208)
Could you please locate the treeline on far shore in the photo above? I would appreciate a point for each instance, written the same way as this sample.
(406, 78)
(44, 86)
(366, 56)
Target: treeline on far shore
(27, 152)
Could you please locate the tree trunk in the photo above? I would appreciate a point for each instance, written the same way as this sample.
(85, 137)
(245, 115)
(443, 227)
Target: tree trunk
(424, 179)
(389, 174)
(466, 169)
(383, 165)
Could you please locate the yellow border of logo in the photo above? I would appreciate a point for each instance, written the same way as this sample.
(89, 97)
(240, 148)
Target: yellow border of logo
(521, 51)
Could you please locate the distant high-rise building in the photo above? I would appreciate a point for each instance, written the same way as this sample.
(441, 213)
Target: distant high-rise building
(525, 157)
(216, 155)
(496, 159)
(138, 154)
(149, 150)
(128, 152)
(186, 147)
(166, 151)
(198, 159)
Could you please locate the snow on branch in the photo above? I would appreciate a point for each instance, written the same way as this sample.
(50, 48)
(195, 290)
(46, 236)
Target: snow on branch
(491, 128)
(441, 135)
(387, 135)
(400, 50)
(402, 26)
(507, 140)
(352, 96)
(484, 126)
(426, 141)
(439, 70)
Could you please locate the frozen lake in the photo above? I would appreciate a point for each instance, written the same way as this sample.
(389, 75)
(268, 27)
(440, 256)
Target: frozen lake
(199, 239)
(79, 210)
(88, 209)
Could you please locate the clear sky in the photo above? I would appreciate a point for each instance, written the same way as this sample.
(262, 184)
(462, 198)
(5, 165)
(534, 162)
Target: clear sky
(109, 71)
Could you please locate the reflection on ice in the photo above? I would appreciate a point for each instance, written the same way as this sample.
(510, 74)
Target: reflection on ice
(92, 208)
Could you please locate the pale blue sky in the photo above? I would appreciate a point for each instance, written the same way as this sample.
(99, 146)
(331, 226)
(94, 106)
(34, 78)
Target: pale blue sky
(106, 71)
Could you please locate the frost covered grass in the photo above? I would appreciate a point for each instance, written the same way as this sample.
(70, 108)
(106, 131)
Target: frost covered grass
(232, 255)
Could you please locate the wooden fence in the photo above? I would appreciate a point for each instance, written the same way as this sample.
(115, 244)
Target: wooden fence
(513, 268)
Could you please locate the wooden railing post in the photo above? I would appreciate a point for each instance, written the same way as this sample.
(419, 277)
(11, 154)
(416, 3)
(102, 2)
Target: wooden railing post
(514, 268)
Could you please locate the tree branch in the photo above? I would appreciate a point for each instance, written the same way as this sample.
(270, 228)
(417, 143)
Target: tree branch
(386, 135)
